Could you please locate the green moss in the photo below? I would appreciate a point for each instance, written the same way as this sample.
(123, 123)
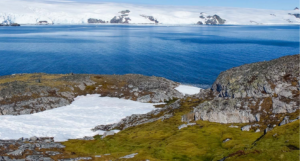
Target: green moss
(282, 143)
(162, 140)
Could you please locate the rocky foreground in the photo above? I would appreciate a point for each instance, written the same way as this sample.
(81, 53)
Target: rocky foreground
(256, 97)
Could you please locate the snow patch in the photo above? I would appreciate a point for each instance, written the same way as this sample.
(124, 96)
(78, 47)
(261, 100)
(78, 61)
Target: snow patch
(72, 121)
(185, 89)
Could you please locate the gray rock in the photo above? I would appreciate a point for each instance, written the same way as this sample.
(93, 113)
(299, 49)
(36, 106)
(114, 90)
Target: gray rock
(226, 140)
(18, 152)
(34, 139)
(246, 128)
(129, 156)
(34, 157)
(231, 126)
(52, 153)
(182, 126)
(191, 124)
(144, 99)
(151, 18)
(93, 20)
(223, 111)
(257, 117)
(284, 121)
(268, 129)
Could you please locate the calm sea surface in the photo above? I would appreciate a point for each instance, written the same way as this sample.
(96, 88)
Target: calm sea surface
(187, 54)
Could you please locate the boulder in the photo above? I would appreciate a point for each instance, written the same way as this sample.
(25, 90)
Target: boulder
(246, 128)
(34, 139)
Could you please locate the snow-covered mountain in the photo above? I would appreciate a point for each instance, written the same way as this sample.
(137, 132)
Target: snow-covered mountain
(68, 12)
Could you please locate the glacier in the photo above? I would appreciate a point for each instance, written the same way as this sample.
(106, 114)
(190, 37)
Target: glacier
(68, 12)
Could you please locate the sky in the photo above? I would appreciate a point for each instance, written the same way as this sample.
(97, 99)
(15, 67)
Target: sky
(261, 4)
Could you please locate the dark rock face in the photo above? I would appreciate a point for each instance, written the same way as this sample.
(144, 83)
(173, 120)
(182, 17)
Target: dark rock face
(151, 18)
(297, 15)
(211, 20)
(123, 18)
(13, 24)
(296, 8)
(93, 20)
(120, 19)
(125, 12)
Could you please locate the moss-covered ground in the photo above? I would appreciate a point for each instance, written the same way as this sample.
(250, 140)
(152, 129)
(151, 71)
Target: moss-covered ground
(280, 144)
(162, 140)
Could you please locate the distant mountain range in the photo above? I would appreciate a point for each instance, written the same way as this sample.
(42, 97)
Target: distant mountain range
(26, 12)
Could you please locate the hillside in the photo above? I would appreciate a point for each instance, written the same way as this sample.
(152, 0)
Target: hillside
(51, 12)
(250, 113)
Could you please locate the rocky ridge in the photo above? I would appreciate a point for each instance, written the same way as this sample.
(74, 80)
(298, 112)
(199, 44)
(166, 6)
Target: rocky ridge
(261, 94)
(32, 93)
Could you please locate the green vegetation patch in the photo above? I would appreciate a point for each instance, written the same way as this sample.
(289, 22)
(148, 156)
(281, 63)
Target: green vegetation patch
(162, 140)
(281, 143)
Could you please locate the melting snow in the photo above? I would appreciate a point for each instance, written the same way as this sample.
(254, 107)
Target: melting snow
(185, 89)
(72, 121)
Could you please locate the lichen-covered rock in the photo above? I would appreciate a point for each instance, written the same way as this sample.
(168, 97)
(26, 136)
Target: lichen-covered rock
(251, 92)
(223, 111)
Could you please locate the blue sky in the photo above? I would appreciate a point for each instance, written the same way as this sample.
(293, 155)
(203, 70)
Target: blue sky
(263, 4)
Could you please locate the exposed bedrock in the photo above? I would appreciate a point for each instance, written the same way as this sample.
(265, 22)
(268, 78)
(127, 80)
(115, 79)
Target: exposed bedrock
(210, 20)
(151, 18)
(297, 15)
(31, 93)
(122, 18)
(259, 92)
(93, 20)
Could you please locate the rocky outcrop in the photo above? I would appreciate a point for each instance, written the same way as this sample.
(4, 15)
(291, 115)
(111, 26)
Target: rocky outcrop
(138, 119)
(27, 94)
(261, 92)
(93, 20)
(278, 79)
(123, 18)
(151, 18)
(210, 20)
(224, 111)
(297, 15)
(30, 149)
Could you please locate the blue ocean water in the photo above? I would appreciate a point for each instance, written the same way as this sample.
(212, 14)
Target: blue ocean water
(186, 54)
